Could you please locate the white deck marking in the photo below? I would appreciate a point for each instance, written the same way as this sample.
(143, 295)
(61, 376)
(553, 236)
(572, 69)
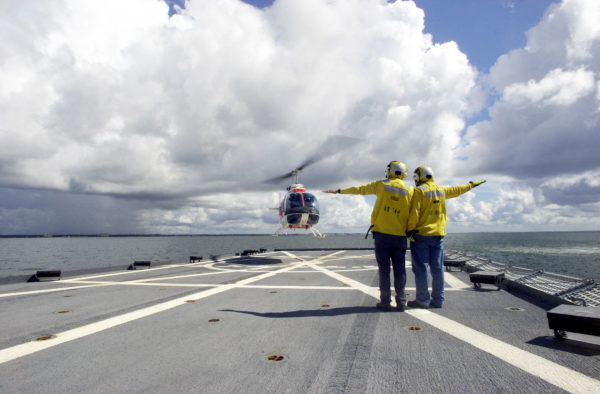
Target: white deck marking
(284, 287)
(87, 281)
(132, 272)
(154, 284)
(27, 348)
(91, 283)
(372, 291)
(180, 276)
(53, 290)
(454, 282)
(547, 370)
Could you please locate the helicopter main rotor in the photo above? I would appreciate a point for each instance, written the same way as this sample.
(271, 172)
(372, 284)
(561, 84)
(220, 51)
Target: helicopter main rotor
(332, 145)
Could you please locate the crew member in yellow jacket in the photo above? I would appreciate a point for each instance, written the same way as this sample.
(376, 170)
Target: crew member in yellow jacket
(388, 225)
(426, 231)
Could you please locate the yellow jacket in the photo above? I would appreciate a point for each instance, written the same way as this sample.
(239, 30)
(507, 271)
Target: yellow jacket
(428, 207)
(390, 213)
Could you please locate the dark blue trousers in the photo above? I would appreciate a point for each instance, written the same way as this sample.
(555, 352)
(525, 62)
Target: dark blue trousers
(390, 251)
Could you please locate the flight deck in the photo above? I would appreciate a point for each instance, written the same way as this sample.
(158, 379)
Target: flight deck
(293, 321)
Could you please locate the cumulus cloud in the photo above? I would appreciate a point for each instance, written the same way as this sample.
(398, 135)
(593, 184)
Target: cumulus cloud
(546, 122)
(170, 124)
(543, 130)
(558, 88)
(520, 208)
(118, 99)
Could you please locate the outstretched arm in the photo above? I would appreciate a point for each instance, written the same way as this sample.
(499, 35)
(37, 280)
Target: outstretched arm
(369, 188)
(455, 191)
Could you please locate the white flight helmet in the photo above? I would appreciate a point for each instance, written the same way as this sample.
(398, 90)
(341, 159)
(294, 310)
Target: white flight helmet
(396, 169)
(423, 174)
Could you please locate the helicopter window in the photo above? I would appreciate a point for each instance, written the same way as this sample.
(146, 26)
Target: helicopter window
(310, 201)
(294, 200)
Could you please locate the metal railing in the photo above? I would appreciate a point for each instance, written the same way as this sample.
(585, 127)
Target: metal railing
(554, 288)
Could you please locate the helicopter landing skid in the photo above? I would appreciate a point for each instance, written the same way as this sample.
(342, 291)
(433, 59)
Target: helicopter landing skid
(317, 233)
(313, 230)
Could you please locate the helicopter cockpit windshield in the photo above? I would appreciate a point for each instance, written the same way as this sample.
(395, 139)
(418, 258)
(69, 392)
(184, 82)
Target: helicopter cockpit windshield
(301, 202)
(310, 201)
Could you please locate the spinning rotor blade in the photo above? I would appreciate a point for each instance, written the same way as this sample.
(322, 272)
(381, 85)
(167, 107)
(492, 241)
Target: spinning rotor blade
(280, 178)
(332, 145)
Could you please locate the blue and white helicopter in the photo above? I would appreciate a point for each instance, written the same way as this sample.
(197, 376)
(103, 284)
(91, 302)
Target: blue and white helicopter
(299, 209)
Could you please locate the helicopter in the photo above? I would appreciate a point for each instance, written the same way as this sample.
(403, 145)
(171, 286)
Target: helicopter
(299, 209)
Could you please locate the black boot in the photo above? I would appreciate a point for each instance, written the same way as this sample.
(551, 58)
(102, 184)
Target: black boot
(400, 305)
(383, 307)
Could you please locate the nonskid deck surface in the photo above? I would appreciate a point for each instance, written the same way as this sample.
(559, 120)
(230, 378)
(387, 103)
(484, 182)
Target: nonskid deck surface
(285, 321)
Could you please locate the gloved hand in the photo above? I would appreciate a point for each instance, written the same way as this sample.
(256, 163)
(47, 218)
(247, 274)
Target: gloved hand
(411, 235)
(476, 183)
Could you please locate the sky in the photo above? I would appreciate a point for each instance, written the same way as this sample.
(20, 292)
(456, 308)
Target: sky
(147, 117)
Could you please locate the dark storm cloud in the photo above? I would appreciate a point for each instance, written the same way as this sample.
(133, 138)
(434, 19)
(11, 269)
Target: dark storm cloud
(42, 211)
(580, 192)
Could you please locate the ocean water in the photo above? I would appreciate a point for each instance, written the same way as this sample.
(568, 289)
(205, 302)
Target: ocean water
(568, 253)
(24, 256)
